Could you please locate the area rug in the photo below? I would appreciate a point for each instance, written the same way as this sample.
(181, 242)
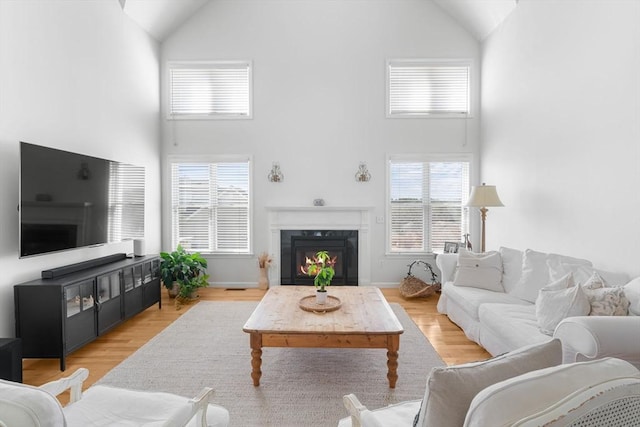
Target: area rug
(207, 347)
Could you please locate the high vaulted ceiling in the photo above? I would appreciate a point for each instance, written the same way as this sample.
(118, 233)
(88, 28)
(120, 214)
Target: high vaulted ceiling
(161, 17)
(479, 17)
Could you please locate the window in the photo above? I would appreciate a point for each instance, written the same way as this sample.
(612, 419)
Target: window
(427, 88)
(426, 203)
(211, 206)
(213, 90)
(126, 202)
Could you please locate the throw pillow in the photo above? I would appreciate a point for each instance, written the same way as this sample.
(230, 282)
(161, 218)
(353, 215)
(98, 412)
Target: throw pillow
(559, 300)
(479, 270)
(511, 267)
(535, 273)
(604, 300)
(632, 292)
(450, 389)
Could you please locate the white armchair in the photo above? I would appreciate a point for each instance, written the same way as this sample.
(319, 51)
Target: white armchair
(28, 406)
(597, 393)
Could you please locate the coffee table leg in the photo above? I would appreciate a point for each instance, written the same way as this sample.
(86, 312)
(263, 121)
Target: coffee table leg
(393, 345)
(256, 357)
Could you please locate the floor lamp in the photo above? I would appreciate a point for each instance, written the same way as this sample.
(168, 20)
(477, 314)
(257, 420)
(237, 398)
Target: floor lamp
(484, 196)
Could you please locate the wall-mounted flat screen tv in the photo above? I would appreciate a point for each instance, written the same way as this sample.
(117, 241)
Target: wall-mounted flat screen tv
(71, 200)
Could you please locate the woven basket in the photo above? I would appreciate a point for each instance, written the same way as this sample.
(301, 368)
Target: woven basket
(412, 287)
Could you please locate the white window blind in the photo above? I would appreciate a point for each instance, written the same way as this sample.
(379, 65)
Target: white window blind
(426, 204)
(211, 206)
(424, 88)
(126, 202)
(210, 90)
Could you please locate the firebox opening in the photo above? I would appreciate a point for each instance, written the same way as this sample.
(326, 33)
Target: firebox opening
(297, 245)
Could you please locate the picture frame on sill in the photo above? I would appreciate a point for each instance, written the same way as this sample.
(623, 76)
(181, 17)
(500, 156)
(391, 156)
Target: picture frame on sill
(451, 247)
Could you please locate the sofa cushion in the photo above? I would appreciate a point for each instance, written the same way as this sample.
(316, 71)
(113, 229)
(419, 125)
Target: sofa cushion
(559, 300)
(613, 278)
(558, 269)
(535, 272)
(511, 267)
(450, 389)
(505, 327)
(534, 391)
(469, 299)
(479, 270)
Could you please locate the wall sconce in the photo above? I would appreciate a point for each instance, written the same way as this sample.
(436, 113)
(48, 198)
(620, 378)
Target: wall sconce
(363, 174)
(84, 173)
(276, 174)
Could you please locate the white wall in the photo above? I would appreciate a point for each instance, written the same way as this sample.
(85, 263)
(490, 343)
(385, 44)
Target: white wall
(80, 76)
(319, 105)
(561, 130)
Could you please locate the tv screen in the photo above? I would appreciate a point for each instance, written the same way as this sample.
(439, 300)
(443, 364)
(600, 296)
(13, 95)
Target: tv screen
(70, 200)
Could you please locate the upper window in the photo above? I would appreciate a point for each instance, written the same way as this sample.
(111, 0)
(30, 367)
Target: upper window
(210, 90)
(427, 88)
(427, 200)
(210, 206)
(126, 201)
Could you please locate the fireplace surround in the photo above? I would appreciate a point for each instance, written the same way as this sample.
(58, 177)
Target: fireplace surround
(318, 218)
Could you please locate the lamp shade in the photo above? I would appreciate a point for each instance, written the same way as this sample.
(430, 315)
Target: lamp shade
(483, 196)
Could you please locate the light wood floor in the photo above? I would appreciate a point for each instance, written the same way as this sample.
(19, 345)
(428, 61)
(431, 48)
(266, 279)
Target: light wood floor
(107, 351)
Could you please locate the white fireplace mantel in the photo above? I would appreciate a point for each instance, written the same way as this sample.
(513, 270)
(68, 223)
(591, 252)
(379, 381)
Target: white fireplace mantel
(321, 218)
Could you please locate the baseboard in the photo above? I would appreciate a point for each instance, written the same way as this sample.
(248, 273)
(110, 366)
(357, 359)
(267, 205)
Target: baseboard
(233, 285)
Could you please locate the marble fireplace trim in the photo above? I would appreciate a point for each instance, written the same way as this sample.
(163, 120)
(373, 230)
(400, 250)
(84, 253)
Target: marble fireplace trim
(321, 218)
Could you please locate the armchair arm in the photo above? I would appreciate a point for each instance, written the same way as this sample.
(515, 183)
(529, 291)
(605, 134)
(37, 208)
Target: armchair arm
(447, 264)
(594, 337)
(200, 405)
(73, 382)
(354, 407)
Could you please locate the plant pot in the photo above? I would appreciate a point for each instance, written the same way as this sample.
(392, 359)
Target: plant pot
(175, 289)
(263, 280)
(321, 297)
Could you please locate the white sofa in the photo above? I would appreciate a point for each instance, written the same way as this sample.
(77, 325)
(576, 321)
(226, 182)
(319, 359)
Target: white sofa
(494, 303)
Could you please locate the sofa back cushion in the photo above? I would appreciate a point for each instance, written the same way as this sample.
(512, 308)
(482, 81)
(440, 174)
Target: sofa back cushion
(511, 267)
(450, 389)
(535, 272)
(511, 400)
(479, 270)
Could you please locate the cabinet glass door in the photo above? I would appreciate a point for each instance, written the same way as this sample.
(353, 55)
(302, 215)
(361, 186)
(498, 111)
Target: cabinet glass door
(137, 274)
(79, 297)
(155, 268)
(128, 279)
(72, 296)
(108, 286)
(146, 272)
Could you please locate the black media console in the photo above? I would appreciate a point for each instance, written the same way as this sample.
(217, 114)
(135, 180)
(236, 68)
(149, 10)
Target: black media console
(73, 305)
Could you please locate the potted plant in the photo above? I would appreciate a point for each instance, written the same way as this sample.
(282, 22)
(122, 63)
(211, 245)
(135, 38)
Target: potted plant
(184, 269)
(321, 266)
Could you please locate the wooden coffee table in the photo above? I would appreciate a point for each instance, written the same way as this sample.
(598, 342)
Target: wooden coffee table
(364, 320)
